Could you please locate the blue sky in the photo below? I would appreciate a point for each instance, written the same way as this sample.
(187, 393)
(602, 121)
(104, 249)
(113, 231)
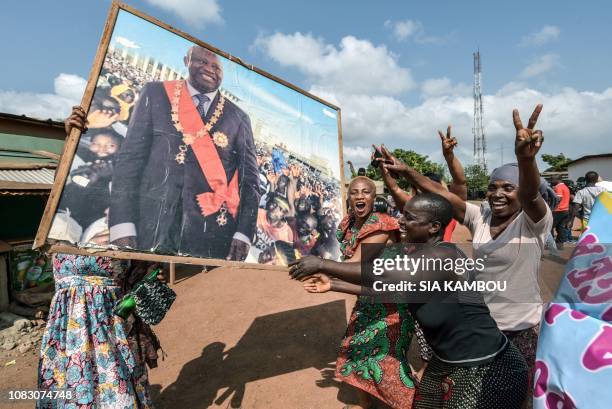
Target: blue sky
(399, 70)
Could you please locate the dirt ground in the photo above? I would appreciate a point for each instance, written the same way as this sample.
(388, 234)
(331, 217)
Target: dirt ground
(249, 339)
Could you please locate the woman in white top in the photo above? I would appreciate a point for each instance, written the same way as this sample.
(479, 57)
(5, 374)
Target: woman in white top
(509, 234)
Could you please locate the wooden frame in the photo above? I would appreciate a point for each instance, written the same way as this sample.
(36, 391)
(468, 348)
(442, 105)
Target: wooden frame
(72, 141)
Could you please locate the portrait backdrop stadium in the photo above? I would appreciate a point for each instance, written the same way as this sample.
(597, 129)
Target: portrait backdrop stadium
(190, 152)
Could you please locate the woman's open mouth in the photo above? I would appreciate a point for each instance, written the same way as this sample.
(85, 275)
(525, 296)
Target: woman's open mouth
(360, 206)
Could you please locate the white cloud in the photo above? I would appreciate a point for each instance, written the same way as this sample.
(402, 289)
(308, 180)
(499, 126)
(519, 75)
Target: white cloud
(410, 29)
(68, 92)
(375, 112)
(543, 64)
(568, 115)
(538, 38)
(194, 12)
(329, 113)
(354, 65)
(126, 42)
(69, 86)
(359, 155)
(443, 86)
(402, 30)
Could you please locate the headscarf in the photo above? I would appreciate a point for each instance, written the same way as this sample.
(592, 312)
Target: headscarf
(509, 172)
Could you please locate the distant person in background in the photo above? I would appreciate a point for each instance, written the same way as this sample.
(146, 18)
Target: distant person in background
(561, 211)
(585, 199)
(361, 172)
(352, 169)
(606, 184)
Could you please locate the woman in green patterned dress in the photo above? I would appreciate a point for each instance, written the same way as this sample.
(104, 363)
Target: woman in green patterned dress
(373, 353)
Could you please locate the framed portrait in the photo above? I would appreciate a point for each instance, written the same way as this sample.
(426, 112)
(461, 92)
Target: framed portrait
(191, 153)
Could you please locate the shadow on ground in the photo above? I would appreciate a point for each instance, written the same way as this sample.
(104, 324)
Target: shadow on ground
(274, 345)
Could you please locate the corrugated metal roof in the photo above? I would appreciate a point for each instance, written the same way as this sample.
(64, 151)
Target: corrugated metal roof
(39, 176)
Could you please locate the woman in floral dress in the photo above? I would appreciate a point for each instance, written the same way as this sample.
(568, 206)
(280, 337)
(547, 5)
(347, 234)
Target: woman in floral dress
(85, 350)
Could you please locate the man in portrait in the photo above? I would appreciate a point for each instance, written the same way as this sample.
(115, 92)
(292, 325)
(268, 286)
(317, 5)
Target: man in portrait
(186, 179)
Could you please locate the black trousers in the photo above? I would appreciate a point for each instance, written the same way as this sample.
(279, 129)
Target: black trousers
(560, 220)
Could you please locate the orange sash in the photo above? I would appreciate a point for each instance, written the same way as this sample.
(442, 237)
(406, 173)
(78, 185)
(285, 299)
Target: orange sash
(208, 158)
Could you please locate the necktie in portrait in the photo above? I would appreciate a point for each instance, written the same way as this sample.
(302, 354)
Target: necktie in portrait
(203, 101)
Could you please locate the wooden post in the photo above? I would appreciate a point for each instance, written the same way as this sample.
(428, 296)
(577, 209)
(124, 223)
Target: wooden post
(172, 273)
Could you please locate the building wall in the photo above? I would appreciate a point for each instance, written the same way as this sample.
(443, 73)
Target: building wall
(603, 166)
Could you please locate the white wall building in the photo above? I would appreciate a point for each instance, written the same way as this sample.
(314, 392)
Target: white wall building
(601, 164)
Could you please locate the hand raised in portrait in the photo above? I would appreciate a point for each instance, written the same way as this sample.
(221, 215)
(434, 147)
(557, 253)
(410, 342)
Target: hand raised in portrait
(317, 283)
(528, 140)
(272, 177)
(238, 250)
(448, 142)
(295, 171)
(102, 118)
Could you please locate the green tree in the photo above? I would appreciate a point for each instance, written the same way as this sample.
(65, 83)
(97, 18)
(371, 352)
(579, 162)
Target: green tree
(420, 163)
(558, 163)
(477, 180)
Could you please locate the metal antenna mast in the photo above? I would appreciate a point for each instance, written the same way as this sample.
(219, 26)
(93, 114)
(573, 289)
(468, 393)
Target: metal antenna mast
(480, 143)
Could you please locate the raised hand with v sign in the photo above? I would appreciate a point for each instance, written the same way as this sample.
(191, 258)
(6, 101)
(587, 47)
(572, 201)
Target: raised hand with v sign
(528, 140)
(448, 142)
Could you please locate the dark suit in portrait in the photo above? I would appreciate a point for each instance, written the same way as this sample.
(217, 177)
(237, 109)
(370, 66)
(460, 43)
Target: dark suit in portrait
(154, 192)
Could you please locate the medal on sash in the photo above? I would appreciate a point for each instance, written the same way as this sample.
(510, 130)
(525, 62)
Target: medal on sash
(222, 218)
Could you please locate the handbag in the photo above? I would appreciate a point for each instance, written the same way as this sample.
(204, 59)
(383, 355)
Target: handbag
(150, 299)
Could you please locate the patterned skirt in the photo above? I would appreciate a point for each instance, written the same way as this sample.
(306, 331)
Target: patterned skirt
(526, 341)
(373, 353)
(500, 384)
(85, 352)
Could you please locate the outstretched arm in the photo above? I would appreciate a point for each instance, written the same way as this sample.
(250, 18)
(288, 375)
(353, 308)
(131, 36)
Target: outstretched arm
(459, 183)
(526, 145)
(423, 183)
(309, 265)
